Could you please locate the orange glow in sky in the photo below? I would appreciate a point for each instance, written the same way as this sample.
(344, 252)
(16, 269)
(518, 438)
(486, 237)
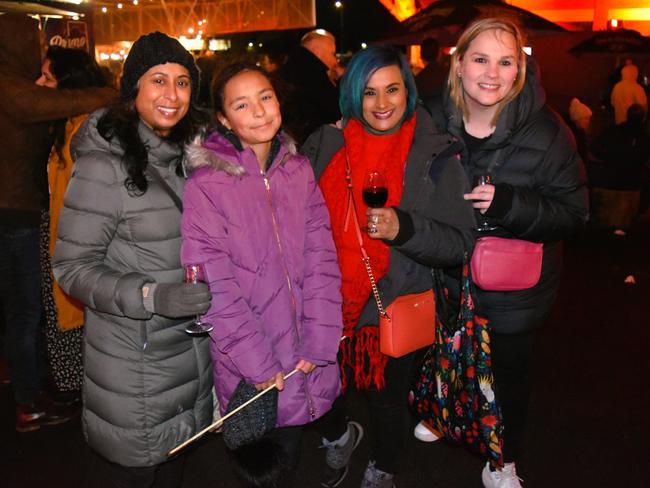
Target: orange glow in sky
(401, 9)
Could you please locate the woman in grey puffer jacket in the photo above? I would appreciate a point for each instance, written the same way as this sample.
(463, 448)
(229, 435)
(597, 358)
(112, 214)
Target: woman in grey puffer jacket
(147, 384)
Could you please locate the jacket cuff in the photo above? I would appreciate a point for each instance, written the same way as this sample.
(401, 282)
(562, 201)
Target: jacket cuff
(502, 201)
(406, 228)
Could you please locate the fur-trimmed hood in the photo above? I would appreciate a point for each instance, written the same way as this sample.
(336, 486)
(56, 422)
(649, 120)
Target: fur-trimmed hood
(198, 155)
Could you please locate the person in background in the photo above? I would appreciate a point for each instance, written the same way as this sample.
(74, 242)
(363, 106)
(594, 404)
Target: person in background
(579, 122)
(494, 105)
(627, 92)
(424, 224)
(264, 241)
(26, 112)
(274, 57)
(147, 383)
(431, 79)
(311, 96)
(72, 69)
(623, 151)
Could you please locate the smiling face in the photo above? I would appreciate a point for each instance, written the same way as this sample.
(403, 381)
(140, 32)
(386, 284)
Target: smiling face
(384, 98)
(251, 109)
(488, 70)
(164, 94)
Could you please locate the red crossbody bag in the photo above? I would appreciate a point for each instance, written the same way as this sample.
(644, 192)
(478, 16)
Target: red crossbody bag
(408, 323)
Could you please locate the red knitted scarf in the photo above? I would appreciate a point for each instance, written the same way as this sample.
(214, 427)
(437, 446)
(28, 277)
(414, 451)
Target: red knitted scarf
(386, 153)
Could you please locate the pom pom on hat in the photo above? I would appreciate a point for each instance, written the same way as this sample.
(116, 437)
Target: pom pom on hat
(251, 423)
(151, 50)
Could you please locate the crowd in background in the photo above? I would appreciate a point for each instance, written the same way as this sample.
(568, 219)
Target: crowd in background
(253, 170)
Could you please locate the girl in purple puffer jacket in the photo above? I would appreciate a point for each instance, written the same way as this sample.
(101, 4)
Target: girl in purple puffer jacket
(255, 220)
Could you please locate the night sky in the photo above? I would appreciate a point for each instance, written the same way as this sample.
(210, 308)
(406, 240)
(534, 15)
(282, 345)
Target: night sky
(363, 21)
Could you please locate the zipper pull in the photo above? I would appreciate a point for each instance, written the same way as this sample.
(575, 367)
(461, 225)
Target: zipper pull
(266, 180)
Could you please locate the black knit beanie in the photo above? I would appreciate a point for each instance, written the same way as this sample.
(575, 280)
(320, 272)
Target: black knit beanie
(151, 50)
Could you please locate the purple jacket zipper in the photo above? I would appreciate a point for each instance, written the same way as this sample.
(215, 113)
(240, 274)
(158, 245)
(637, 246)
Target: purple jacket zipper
(267, 186)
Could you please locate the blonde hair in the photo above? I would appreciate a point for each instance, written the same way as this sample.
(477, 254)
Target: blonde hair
(454, 81)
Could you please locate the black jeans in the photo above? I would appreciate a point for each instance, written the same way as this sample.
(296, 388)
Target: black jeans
(103, 473)
(511, 366)
(389, 415)
(20, 292)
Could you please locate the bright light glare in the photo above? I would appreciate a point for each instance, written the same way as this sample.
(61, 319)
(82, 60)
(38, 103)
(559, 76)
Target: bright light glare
(364, 45)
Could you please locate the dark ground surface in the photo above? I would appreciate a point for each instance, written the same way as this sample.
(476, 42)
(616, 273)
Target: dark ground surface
(588, 427)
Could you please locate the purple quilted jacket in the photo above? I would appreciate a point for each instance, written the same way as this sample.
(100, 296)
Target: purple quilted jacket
(265, 243)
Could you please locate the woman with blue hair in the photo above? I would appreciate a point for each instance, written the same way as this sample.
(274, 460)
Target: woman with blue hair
(424, 224)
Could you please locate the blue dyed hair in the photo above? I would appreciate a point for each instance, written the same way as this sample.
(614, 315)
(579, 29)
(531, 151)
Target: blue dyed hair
(361, 67)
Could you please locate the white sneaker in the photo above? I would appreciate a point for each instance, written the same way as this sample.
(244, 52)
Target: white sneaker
(425, 434)
(506, 478)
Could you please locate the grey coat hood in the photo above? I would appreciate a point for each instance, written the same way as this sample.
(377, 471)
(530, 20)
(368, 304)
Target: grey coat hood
(88, 140)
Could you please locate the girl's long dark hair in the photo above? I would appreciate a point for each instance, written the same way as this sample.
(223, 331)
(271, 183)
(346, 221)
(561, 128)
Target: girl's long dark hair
(121, 122)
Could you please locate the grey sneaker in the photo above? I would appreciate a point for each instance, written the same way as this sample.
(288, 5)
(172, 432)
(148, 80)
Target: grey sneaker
(337, 457)
(376, 478)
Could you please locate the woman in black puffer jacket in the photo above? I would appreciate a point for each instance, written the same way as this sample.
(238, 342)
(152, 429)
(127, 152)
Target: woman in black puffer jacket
(495, 105)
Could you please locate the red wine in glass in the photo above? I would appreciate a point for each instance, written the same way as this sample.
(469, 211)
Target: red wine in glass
(374, 192)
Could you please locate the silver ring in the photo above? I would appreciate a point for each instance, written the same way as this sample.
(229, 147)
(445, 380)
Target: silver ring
(372, 229)
(374, 219)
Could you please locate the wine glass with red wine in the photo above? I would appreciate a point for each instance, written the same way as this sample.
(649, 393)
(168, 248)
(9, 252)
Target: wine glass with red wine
(375, 192)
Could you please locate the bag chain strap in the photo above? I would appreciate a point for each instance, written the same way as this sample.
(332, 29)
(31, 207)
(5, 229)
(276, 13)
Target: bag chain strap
(352, 211)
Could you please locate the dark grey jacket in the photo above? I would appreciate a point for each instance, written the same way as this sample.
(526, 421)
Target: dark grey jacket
(147, 384)
(432, 200)
(540, 196)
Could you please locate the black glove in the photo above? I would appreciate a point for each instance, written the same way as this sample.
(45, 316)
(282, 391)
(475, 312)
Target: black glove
(177, 300)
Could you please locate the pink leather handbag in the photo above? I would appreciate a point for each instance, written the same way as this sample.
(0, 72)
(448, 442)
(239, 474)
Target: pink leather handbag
(500, 264)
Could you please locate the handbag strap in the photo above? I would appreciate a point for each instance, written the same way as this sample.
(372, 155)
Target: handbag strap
(352, 212)
(153, 172)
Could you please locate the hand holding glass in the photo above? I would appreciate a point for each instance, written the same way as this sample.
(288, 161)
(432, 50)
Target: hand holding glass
(194, 274)
(482, 180)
